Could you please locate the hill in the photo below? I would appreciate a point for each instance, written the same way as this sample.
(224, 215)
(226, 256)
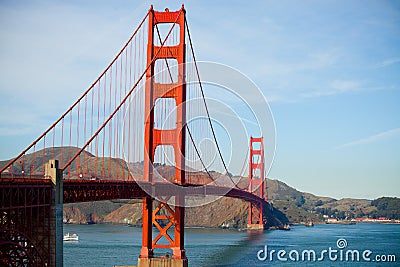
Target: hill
(388, 207)
(223, 212)
(288, 206)
(287, 203)
(34, 163)
(300, 206)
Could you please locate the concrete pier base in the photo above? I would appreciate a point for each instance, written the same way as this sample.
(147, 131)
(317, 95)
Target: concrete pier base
(162, 262)
(56, 214)
(255, 227)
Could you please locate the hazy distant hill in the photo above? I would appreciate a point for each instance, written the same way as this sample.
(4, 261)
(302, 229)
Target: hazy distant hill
(289, 204)
(299, 206)
(34, 163)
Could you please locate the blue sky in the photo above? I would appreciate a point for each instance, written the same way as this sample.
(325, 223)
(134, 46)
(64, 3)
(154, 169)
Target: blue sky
(329, 70)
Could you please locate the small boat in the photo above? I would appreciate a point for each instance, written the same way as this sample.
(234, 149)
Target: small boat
(336, 221)
(285, 227)
(309, 224)
(69, 237)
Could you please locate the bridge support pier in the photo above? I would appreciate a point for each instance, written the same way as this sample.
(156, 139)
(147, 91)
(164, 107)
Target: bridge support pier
(256, 227)
(162, 262)
(53, 172)
(164, 217)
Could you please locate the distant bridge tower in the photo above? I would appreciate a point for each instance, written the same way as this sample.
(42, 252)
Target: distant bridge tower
(172, 217)
(256, 182)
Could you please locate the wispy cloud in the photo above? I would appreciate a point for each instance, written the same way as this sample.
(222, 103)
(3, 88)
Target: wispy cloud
(389, 62)
(337, 87)
(370, 139)
(346, 85)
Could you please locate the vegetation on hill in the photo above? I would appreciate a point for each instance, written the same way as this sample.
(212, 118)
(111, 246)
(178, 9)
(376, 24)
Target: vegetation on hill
(301, 207)
(388, 207)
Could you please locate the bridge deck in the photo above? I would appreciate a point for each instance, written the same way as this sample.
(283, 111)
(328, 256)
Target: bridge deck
(96, 190)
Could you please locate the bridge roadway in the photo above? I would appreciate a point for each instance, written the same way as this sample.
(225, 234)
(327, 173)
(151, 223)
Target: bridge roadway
(76, 190)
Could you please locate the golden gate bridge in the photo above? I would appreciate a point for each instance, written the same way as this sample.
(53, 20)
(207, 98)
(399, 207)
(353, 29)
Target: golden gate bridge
(135, 132)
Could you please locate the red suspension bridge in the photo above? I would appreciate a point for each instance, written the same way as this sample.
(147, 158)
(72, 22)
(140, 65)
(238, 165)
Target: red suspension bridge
(135, 132)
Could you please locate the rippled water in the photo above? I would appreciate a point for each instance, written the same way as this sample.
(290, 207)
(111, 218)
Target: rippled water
(108, 245)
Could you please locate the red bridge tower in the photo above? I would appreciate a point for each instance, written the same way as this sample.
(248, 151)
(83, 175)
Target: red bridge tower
(256, 182)
(165, 217)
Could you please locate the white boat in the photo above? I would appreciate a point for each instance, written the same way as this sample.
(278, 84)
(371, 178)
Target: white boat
(69, 237)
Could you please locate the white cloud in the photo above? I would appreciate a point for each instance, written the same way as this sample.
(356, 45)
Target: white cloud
(346, 85)
(389, 62)
(371, 139)
(343, 87)
(336, 87)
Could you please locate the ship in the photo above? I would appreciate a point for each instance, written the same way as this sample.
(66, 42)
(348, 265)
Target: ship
(69, 237)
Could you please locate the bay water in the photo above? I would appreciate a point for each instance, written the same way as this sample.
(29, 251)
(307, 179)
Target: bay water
(322, 245)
